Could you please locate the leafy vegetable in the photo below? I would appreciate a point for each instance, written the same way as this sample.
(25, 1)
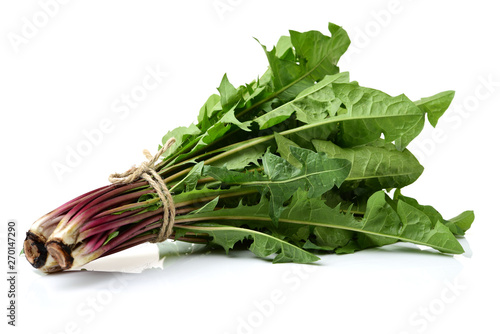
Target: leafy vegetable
(317, 174)
(296, 163)
(262, 245)
(383, 218)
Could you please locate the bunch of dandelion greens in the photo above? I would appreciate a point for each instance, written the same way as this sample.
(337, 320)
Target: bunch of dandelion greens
(295, 164)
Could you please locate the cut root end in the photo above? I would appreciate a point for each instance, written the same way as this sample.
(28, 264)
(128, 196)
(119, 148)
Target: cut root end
(61, 253)
(34, 249)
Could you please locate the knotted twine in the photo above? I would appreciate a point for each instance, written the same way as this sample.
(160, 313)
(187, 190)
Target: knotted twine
(147, 171)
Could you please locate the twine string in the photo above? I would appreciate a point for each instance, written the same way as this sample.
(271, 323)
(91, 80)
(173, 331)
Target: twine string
(147, 171)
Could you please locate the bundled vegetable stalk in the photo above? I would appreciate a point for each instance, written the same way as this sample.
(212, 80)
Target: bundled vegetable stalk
(294, 164)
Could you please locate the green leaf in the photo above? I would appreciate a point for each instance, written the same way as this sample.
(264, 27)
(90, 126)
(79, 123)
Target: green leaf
(111, 236)
(370, 113)
(310, 104)
(216, 131)
(320, 54)
(284, 145)
(200, 196)
(263, 245)
(206, 112)
(327, 238)
(436, 105)
(417, 226)
(243, 158)
(317, 174)
(458, 225)
(288, 76)
(379, 167)
(384, 221)
(210, 206)
(190, 181)
(304, 135)
(181, 134)
(284, 48)
(230, 118)
(461, 223)
(229, 96)
(316, 55)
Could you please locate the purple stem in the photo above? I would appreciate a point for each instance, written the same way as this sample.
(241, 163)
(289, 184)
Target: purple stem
(130, 233)
(98, 241)
(68, 205)
(132, 206)
(118, 223)
(92, 208)
(106, 219)
(130, 243)
(79, 206)
(63, 209)
(92, 242)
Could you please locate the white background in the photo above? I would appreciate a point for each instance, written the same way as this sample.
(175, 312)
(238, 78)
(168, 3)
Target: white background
(68, 73)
